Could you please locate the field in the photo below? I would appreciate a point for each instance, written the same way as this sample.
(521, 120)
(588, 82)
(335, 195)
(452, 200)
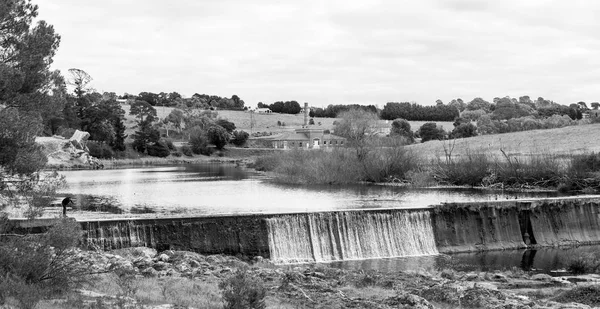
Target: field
(253, 122)
(561, 141)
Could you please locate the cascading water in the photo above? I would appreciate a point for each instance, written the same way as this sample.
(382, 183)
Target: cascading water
(351, 235)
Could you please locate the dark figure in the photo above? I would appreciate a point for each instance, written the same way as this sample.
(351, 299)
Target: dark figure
(66, 202)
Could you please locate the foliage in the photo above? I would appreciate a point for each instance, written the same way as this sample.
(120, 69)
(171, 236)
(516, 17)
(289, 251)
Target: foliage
(19, 154)
(99, 150)
(143, 110)
(144, 137)
(334, 111)
(470, 169)
(429, 131)
(227, 125)
(243, 290)
(586, 294)
(187, 150)
(401, 127)
(169, 143)
(158, 149)
(298, 166)
(287, 107)
(239, 138)
(387, 161)
(218, 136)
(199, 142)
(357, 126)
(464, 130)
(33, 267)
(415, 112)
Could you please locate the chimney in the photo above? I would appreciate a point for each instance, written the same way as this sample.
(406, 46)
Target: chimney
(306, 114)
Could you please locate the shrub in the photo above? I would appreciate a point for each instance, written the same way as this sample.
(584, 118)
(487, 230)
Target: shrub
(100, 150)
(470, 169)
(218, 136)
(187, 150)
(36, 266)
(387, 160)
(169, 143)
(243, 290)
(177, 154)
(227, 125)
(464, 130)
(311, 121)
(158, 150)
(266, 163)
(199, 142)
(588, 295)
(239, 138)
(401, 127)
(429, 131)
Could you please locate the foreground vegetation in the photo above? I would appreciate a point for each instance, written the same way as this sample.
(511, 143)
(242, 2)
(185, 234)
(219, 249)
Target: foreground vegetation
(143, 278)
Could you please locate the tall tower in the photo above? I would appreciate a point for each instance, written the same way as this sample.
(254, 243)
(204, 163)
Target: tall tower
(305, 114)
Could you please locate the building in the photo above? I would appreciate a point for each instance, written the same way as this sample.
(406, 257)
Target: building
(305, 137)
(263, 110)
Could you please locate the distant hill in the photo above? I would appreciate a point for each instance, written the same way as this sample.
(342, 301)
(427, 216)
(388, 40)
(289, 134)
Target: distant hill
(567, 140)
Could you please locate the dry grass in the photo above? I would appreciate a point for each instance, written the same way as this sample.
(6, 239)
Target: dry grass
(560, 141)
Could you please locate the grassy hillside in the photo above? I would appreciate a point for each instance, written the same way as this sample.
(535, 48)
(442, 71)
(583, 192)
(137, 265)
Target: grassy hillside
(268, 122)
(567, 140)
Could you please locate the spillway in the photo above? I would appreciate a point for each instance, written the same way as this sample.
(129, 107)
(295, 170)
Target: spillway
(350, 235)
(357, 234)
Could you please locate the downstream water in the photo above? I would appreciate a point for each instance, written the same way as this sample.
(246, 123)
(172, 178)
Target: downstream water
(201, 189)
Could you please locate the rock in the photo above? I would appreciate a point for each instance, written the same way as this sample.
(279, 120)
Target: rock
(560, 281)
(541, 277)
(150, 272)
(163, 258)
(79, 139)
(410, 300)
(471, 276)
(142, 263)
(499, 277)
(160, 265)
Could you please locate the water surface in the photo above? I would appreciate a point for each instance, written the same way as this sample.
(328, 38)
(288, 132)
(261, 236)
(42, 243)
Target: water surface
(195, 189)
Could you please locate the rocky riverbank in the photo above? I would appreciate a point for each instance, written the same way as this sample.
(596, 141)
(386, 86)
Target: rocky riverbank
(143, 278)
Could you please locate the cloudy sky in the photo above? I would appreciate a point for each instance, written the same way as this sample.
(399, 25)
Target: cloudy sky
(334, 52)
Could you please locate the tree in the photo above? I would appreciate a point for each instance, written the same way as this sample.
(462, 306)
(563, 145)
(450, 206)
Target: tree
(218, 136)
(227, 125)
(463, 130)
(401, 127)
(239, 138)
(595, 105)
(430, 131)
(357, 126)
(176, 117)
(143, 110)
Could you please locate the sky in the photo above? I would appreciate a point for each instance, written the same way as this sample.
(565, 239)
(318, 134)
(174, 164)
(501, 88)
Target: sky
(334, 52)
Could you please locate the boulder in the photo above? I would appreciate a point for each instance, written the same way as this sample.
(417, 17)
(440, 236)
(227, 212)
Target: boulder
(79, 139)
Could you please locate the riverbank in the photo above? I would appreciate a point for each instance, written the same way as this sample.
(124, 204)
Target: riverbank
(141, 277)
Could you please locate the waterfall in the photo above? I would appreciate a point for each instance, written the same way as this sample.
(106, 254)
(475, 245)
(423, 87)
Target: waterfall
(350, 235)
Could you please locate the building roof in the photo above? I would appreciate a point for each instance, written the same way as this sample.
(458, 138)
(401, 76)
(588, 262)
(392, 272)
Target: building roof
(298, 136)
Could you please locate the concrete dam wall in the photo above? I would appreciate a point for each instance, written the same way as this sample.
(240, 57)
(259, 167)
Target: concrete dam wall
(362, 234)
(468, 227)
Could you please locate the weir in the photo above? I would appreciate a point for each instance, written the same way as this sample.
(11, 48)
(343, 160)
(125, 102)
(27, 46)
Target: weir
(359, 234)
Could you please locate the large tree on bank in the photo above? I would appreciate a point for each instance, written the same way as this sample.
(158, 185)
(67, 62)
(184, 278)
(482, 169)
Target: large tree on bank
(30, 97)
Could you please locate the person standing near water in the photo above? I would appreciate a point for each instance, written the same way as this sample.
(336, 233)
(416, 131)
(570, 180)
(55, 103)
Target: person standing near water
(67, 201)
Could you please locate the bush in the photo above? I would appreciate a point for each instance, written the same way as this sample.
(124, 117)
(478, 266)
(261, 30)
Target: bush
(387, 160)
(100, 150)
(158, 150)
(33, 267)
(470, 169)
(243, 290)
(199, 142)
(227, 125)
(401, 127)
(429, 131)
(239, 138)
(218, 136)
(464, 130)
(187, 150)
(169, 143)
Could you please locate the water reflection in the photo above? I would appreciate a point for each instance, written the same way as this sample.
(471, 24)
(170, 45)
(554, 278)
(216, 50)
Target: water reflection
(542, 260)
(195, 189)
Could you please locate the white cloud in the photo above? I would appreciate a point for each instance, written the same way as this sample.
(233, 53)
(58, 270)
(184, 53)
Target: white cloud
(334, 52)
